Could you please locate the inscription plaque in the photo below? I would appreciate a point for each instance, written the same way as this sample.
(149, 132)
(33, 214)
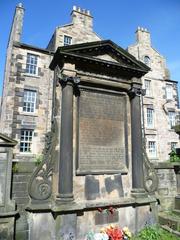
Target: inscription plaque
(101, 132)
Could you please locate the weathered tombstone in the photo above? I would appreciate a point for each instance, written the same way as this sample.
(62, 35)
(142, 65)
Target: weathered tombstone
(7, 205)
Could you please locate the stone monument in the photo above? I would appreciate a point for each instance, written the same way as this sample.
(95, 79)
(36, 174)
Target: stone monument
(94, 156)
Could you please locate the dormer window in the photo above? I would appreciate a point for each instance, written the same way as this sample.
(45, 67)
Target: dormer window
(147, 60)
(67, 40)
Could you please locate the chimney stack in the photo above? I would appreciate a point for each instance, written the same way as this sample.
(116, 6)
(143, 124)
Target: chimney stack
(18, 22)
(143, 36)
(82, 17)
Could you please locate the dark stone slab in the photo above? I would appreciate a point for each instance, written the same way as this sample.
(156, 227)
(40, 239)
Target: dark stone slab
(91, 188)
(106, 217)
(114, 184)
(101, 132)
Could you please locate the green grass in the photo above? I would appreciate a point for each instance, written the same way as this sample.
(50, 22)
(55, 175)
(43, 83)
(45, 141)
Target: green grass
(154, 233)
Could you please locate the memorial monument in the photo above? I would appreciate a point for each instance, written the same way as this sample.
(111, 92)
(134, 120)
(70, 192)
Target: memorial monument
(94, 155)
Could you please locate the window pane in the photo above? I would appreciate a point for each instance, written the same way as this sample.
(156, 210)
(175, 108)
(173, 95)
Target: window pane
(150, 116)
(147, 60)
(173, 145)
(152, 149)
(172, 118)
(29, 103)
(26, 140)
(169, 91)
(147, 85)
(31, 64)
(67, 40)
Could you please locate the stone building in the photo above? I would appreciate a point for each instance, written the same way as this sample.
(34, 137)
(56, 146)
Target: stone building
(160, 104)
(80, 101)
(26, 106)
(28, 82)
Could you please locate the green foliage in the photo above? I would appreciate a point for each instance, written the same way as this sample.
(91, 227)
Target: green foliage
(38, 159)
(177, 128)
(154, 233)
(173, 156)
(149, 233)
(15, 168)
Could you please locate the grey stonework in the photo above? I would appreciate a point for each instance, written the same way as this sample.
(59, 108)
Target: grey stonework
(66, 205)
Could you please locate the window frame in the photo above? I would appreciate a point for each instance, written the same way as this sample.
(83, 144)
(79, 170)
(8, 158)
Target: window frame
(26, 138)
(148, 87)
(152, 151)
(29, 103)
(169, 93)
(172, 121)
(149, 117)
(32, 64)
(173, 145)
(67, 43)
(147, 60)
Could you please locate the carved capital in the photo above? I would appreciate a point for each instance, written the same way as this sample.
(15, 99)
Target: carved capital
(73, 80)
(136, 92)
(64, 79)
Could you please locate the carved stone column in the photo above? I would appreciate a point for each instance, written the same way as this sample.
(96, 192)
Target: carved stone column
(136, 132)
(65, 187)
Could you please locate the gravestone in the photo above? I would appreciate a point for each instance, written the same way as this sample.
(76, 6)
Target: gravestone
(7, 206)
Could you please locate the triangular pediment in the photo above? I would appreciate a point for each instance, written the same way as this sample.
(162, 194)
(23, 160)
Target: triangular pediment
(111, 51)
(106, 57)
(102, 52)
(6, 141)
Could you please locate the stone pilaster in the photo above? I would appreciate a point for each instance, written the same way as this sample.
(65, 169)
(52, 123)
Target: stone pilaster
(136, 132)
(65, 187)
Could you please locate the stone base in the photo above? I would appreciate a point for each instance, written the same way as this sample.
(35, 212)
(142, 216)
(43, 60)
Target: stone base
(76, 225)
(138, 193)
(64, 198)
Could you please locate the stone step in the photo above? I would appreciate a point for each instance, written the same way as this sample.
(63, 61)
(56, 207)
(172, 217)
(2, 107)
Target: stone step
(169, 219)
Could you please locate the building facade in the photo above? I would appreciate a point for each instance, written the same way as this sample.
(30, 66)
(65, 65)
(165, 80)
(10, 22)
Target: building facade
(160, 103)
(27, 101)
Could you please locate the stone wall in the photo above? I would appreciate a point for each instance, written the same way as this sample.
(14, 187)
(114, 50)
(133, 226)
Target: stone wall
(22, 172)
(167, 187)
(16, 119)
(8, 85)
